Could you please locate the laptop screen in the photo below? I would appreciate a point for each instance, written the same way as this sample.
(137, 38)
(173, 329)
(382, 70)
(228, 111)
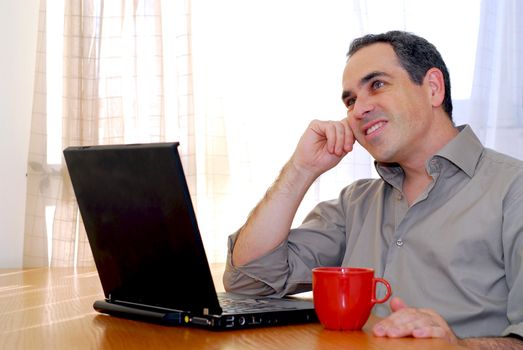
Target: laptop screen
(140, 222)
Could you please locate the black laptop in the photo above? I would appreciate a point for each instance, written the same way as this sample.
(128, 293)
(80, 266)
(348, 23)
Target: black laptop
(142, 229)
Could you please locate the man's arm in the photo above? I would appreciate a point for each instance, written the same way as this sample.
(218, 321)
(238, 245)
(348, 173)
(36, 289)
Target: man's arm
(321, 147)
(498, 343)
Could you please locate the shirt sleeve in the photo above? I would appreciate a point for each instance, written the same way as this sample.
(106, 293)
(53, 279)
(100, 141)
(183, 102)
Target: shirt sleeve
(319, 241)
(513, 254)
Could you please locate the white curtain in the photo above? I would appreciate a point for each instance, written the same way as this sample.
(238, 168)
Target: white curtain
(106, 59)
(262, 71)
(237, 82)
(485, 58)
(496, 105)
(277, 65)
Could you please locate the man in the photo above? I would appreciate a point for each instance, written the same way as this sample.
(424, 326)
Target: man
(443, 224)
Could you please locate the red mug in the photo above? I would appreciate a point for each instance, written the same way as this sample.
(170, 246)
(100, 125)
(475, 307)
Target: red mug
(344, 296)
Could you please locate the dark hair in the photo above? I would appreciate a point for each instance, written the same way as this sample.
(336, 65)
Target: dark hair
(416, 55)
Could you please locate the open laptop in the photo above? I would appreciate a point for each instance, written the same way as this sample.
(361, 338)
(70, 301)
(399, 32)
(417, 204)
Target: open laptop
(142, 229)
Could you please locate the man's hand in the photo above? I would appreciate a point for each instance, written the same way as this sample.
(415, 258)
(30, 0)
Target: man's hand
(410, 322)
(322, 146)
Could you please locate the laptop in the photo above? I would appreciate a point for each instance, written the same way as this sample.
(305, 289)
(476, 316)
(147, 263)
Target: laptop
(142, 230)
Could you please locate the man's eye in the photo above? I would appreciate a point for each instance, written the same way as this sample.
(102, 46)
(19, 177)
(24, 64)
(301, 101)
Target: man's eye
(350, 102)
(377, 84)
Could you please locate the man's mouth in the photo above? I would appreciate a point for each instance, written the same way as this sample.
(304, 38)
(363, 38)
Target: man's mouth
(374, 128)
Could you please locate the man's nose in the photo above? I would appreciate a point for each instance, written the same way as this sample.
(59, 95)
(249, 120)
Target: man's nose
(362, 106)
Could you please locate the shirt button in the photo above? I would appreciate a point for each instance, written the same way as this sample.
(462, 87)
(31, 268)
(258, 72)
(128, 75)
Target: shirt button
(400, 197)
(399, 242)
(434, 165)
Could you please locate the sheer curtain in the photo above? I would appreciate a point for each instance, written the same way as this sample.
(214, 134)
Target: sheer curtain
(236, 83)
(261, 75)
(276, 67)
(485, 59)
(496, 105)
(110, 89)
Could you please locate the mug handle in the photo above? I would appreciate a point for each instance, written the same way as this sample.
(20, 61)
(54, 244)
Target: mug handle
(375, 281)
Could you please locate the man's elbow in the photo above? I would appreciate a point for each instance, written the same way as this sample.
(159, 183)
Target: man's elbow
(235, 281)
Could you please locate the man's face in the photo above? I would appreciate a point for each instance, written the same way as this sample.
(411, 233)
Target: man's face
(389, 115)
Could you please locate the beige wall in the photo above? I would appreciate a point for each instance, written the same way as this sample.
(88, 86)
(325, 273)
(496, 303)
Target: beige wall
(18, 32)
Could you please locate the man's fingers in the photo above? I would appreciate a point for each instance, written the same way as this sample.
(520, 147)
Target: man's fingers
(322, 146)
(429, 332)
(331, 134)
(419, 323)
(349, 136)
(397, 304)
(399, 324)
(339, 137)
(417, 328)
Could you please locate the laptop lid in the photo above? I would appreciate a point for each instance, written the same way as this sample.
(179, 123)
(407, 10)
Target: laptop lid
(141, 226)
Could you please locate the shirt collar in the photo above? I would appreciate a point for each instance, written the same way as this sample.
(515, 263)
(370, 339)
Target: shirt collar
(463, 151)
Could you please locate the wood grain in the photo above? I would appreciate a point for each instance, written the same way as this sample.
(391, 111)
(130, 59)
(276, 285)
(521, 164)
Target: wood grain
(52, 309)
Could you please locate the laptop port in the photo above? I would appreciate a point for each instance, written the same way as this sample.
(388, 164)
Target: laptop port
(229, 322)
(255, 320)
(200, 321)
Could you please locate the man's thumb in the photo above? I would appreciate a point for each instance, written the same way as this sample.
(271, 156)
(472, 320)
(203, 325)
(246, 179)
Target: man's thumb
(397, 304)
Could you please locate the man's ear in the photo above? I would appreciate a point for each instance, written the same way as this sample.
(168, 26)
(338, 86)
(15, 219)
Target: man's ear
(436, 84)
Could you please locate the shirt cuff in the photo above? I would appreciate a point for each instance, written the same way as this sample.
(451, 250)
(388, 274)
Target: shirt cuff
(255, 278)
(515, 329)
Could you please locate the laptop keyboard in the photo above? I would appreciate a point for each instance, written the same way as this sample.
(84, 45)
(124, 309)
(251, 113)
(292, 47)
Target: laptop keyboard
(250, 304)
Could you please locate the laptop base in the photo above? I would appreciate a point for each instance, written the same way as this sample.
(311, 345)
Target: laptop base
(212, 322)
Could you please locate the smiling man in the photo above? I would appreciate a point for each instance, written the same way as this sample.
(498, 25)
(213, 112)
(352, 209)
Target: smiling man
(442, 224)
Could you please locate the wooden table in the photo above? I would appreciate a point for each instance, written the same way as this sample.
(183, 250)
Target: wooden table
(52, 309)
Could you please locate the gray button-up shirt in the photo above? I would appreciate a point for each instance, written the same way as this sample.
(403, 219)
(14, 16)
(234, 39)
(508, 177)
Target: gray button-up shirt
(458, 249)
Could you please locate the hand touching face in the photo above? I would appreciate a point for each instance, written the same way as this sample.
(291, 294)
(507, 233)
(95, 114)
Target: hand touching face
(323, 145)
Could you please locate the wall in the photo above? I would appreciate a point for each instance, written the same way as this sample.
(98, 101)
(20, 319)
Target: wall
(18, 33)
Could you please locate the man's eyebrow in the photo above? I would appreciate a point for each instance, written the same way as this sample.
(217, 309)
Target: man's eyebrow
(368, 77)
(371, 76)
